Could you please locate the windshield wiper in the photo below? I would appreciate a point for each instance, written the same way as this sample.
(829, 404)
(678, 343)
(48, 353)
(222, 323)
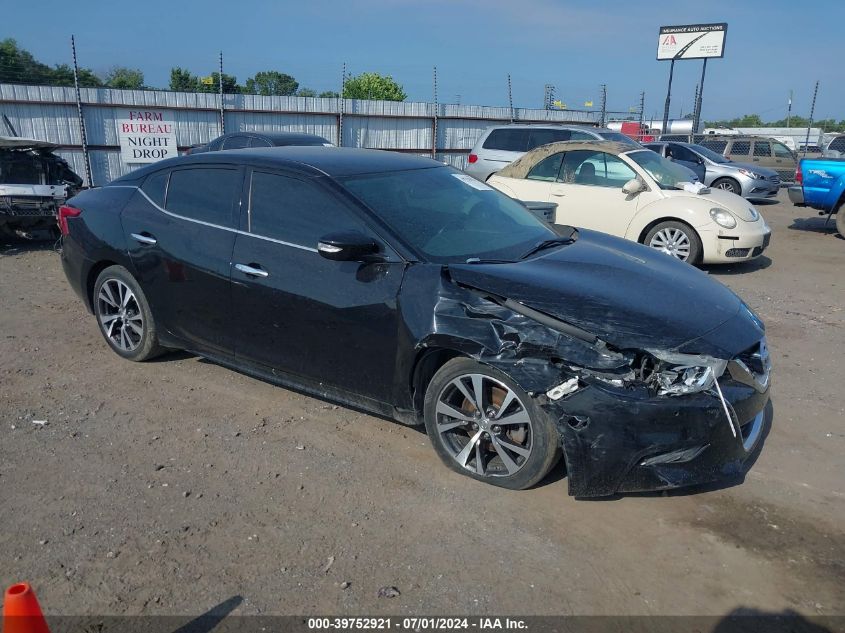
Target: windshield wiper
(478, 260)
(556, 241)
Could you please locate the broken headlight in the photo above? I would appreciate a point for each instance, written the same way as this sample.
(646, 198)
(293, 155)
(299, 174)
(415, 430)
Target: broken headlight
(677, 374)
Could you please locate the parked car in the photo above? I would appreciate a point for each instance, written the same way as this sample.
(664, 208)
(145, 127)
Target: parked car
(241, 140)
(714, 170)
(820, 184)
(836, 147)
(404, 287)
(756, 150)
(33, 184)
(500, 145)
(637, 194)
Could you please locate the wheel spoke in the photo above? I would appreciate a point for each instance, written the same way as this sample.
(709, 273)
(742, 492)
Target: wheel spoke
(458, 382)
(106, 295)
(479, 463)
(509, 463)
(127, 296)
(123, 342)
(451, 412)
(478, 388)
(509, 396)
(139, 331)
(110, 331)
(108, 318)
(520, 417)
(519, 450)
(463, 456)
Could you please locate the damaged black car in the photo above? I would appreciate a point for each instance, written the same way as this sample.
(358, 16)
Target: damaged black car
(403, 287)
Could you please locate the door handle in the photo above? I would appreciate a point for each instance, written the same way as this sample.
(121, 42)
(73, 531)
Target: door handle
(558, 194)
(252, 269)
(144, 238)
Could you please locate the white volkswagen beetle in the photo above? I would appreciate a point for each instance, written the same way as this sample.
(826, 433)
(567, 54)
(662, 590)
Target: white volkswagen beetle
(637, 194)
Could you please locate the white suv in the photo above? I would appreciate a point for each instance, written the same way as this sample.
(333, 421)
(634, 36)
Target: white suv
(500, 145)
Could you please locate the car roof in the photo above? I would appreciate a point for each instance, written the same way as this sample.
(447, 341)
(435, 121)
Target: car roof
(551, 125)
(279, 138)
(521, 166)
(311, 160)
(19, 142)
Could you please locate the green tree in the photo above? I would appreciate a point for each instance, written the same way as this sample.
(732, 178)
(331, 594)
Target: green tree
(306, 92)
(271, 82)
(373, 86)
(329, 94)
(125, 78)
(181, 80)
(19, 66)
(62, 75)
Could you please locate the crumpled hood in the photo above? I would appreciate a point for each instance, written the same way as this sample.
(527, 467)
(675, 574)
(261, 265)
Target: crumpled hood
(627, 294)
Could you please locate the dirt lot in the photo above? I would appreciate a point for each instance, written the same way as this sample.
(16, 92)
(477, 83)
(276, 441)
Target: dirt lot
(172, 486)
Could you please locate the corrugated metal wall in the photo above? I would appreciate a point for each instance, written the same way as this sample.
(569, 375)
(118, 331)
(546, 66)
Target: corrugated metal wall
(49, 113)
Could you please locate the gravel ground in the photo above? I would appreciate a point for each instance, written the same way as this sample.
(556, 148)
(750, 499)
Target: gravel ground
(172, 486)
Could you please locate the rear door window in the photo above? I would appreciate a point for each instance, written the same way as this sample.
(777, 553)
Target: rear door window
(679, 152)
(207, 194)
(716, 146)
(741, 148)
(762, 148)
(255, 141)
(544, 137)
(595, 169)
(837, 144)
(547, 169)
(578, 135)
(297, 211)
(507, 139)
(238, 141)
(155, 186)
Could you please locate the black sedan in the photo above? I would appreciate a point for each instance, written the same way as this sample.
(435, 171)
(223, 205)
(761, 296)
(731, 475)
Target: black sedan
(242, 140)
(395, 284)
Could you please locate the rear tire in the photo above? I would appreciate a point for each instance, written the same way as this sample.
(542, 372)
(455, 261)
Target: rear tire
(513, 444)
(124, 315)
(677, 239)
(728, 184)
(840, 219)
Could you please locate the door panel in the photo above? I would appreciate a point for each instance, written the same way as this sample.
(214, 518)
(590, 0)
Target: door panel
(328, 321)
(182, 263)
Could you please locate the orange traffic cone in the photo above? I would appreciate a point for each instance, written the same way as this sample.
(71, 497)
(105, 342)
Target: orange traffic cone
(21, 612)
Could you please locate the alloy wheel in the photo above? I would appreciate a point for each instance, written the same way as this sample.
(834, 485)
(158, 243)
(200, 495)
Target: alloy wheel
(120, 315)
(673, 242)
(484, 425)
(727, 186)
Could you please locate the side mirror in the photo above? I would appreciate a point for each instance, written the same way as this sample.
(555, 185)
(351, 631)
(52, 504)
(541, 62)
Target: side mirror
(633, 186)
(346, 246)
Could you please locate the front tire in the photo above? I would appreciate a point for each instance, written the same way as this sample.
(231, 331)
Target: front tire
(676, 239)
(124, 315)
(728, 184)
(483, 425)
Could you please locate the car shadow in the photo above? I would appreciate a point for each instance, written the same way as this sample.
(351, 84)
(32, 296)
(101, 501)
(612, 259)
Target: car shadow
(764, 202)
(11, 246)
(722, 484)
(738, 268)
(751, 620)
(818, 224)
(208, 621)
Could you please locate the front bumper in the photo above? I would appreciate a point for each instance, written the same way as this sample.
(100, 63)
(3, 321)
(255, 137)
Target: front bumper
(796, 195)
(732, 247)
(615, 442)
(760, 189)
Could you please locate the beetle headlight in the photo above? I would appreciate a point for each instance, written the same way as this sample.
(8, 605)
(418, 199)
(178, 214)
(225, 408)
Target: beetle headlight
(679, 374)
(723, 217)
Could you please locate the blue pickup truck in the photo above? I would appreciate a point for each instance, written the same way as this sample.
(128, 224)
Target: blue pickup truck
(820, 184)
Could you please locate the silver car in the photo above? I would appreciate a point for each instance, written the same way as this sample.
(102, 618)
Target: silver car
(714, 170)
(500, 145)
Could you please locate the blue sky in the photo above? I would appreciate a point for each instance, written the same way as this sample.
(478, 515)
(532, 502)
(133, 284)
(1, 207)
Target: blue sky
(772, 46)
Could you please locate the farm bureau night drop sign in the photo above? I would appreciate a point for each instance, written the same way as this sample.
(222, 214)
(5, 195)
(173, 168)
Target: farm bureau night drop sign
(147, 136)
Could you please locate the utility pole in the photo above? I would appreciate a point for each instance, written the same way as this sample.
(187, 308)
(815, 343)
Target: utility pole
(642, 109)
(812, 112)
(665, 128)
(548, 96)
(434, 122)
(510, 96)
(342, 104)
(696, 119)
(603, 105)
(220, 86)
(85, 157)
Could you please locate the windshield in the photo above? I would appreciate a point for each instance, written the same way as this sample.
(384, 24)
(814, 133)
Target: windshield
(619, 138)
(667, 175)
(448, 216)
(710, 154)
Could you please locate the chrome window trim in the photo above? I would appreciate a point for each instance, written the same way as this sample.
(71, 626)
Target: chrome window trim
(212, 225)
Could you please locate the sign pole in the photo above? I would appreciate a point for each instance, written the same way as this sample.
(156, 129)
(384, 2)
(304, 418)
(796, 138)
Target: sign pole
(810, 122)
(86, 159)
(697, 118)
(510, 97)
(220, 83)
(664, 129)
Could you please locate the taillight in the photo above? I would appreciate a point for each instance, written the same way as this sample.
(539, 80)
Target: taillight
(799, 177)
(472, 158)
(66, 212)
